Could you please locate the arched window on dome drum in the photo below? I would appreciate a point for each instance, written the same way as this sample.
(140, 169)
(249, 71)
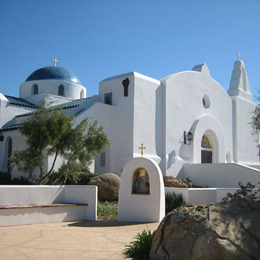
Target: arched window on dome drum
(61, 90)
(82, 94)
(35, 89)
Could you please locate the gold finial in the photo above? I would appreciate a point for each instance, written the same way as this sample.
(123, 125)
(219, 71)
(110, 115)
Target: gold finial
(238, 55)
(142, 148)
(55, 61)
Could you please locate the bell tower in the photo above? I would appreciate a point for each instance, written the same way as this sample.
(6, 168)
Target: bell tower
(239, 85)
(244, 142)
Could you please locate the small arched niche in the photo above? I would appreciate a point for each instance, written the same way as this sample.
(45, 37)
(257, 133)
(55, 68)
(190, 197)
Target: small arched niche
(141, 181)
(228, 157)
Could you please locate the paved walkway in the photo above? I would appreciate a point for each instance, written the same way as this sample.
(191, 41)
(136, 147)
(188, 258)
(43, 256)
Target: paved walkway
(102, 239)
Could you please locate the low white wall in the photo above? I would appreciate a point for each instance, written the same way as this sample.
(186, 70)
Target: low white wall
(224, 175)
(83, 194)
(41, 194)
(194, 196)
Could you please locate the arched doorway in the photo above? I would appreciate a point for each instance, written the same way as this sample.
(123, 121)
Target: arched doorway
(209, 148)
(206, 150)
(208, 126)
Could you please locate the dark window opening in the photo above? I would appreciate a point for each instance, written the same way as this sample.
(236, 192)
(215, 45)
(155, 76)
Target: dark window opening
(108, 98)
(206, 156)
(61, 90)
(35, 89)
(125, 83)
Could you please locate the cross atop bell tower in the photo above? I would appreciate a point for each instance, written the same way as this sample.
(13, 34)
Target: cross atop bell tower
(238, 55)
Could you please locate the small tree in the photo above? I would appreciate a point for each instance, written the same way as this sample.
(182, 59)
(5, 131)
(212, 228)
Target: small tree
(245, 192)
(140, 248)
(172, 201)
(49, 132)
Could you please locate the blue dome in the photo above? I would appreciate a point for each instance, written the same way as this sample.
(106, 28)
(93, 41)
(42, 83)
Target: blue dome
(52, 72)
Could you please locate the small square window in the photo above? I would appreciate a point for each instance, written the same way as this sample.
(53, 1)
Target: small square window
(108, 98)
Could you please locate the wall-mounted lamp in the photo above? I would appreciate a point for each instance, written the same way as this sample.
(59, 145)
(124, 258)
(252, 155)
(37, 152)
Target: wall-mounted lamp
(1, 138)
(187, 137)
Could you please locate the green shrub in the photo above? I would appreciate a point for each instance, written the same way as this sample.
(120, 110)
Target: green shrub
(5, 178)
(173, 201)
(245, 192)
(72, 177)
(22, 180)
(140, 248)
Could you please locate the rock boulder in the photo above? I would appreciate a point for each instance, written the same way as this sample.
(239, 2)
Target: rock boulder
(229, 230)
(170, 181)
(108, 186)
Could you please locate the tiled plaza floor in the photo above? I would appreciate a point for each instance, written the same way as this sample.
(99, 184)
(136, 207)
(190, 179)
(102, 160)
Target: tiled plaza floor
(102, 239)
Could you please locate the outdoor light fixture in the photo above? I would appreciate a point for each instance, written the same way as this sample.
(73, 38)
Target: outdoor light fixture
(1, 138)
(187, 137)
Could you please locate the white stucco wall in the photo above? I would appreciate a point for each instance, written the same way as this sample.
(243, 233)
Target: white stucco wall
(195, 196)
(245, 149)
(184, 111)
(136, 120)
(110, 118)
(40, 194)
(147, 124)
(18, 142)
(119, 124)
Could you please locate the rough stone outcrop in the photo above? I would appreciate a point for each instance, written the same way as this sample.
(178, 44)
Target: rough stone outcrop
(229, 230)
(108, 186)
(170, 181)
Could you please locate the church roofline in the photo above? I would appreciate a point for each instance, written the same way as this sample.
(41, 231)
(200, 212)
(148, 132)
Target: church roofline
(118, 76)
(64, 106)
(129, 74)
(10, 128)
(177, 73)
(19, 102)
(201, 68)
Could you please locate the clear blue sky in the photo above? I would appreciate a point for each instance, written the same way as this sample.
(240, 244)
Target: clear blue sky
(98, 39)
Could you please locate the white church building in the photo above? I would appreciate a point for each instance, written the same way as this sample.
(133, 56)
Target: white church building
(182, 120)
